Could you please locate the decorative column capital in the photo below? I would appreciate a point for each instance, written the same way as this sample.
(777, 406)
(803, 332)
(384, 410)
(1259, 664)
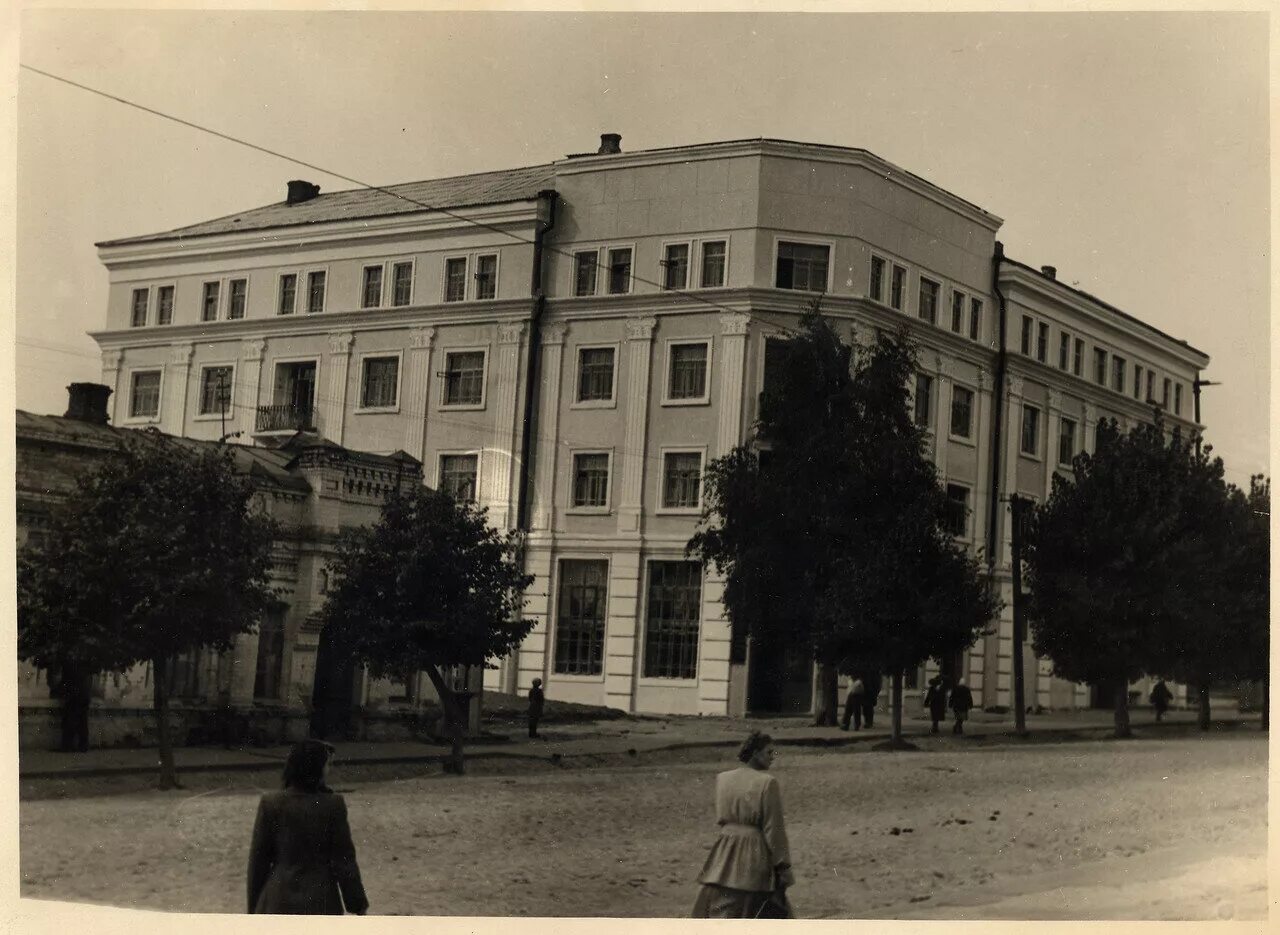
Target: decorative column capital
(253, 348)
(1055, 399)
(734, 323)
(554, 333)
(1090, 413)
(340, 343)
(982, 379)
(422, 337)
(510, 332)
(111, 358)
(180, 354)
(1015, 386)
(641, 328)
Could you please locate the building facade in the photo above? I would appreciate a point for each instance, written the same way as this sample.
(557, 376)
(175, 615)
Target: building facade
(569, 344)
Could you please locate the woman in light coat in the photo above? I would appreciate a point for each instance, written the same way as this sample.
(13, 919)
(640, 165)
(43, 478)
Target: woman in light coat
(749, 868)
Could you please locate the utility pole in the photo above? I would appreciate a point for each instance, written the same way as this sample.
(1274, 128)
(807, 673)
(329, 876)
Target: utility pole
(1018, 506)
(1195, 392)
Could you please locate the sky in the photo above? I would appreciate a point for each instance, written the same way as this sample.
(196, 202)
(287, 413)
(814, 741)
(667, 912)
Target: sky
(1131, 151)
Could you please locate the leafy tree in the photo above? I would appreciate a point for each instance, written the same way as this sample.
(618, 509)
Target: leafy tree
(158, 552)
(427, 587)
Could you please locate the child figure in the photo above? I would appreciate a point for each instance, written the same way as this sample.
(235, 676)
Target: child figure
(536, 701)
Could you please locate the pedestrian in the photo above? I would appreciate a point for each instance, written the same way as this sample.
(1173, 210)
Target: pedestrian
(870, 696)
(1160, 698)
(302, 860)
(961, 702)
(73, 686)
(853, 705)
(747, 873)
(935, 699)
(536, 702)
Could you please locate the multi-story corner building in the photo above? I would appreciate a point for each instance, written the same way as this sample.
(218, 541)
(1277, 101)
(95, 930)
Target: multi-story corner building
(571, 343)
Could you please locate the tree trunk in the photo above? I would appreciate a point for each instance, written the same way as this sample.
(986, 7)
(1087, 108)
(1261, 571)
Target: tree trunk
(1202, 705)
(455, 722)
(160, 695)
(1122, 709)
(828, 695)
(896, 682)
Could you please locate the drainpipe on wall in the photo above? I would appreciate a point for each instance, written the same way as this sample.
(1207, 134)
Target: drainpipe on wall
(997, 429)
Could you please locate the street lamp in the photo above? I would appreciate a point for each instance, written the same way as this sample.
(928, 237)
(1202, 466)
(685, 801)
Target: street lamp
(1195, 392)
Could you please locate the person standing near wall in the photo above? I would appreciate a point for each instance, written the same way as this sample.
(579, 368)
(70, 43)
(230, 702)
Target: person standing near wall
(853, 705)
(537, 700)
(961, 703)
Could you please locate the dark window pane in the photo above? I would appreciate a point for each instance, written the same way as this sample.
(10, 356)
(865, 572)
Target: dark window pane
(672, 620)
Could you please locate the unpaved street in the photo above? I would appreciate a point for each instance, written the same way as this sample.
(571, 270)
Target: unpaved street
(1163, 829)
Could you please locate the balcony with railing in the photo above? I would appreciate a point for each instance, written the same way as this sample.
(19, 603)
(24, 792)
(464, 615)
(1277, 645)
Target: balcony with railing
(286, 417)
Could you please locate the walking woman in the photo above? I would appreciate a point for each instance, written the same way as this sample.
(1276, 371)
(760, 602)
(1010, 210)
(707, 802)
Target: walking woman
(749, 868)
(302, 861)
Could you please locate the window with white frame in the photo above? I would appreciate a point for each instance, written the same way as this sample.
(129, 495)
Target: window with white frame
(464, 378)
(591, 479)
(957, 311)
(1100, 366)
(164, 305)
(687, 373)
(1042, 343)
(1027, 325)
(1118, 373)
(714, 256)
(1030, 430)
(1077, 359)
(486, 276)
(379, 382)
(316, 281)
(141, 301)
(876, 283)
(580, 616)
(209, 301)
(144, 394)
(238, 297)
(585, 263)
(975, 318)
(898, 287)
(962, 412)
(675, 266)
(1177, 399)
(802, 266)
(455, 279)
(215, 390)
(288, 299)
(681, 480)
(1064, 351)
(371, 290)
(957, 510)
(458, 476)
(619, 270)
(1066, 441)
(1137, 381)
(924, 399)
(595, 374)
(401, 284)
(927, 308)
(672, 620)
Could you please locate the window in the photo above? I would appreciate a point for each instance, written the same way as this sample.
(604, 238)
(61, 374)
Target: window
(378, 383)
(1030, 430)
(1151, 386)
(675, 266)
(1117, 374)
(682, 480)
(584, 272)
(591, 480)
(288, 294)
(401, 284)
(1165, 398)
(687, 378)
(215, 390)
(1137, 381)
(458, 477)
(580, 618)
(595, 374)
(487, 276)
(802, 266)
(1077, 359)
(464, 378)
(620, 271)
(1026, 335)
(975, 318)
(455, 279)
(144, 395)
(924, 392)
(315, 291)
(898, 287)
(1066, 441)
(209, 305)
(957, 312)
(270, 660)
(957, 515)
(1100, 366)
(713, 263)
(164, 305)
(1064, 351)
(141, 299)
(962, 412)
(1177, 399)
(371, 293)
(877, 279)
(239, 296)
(1042, 343)
(928, 306)
(671, 625)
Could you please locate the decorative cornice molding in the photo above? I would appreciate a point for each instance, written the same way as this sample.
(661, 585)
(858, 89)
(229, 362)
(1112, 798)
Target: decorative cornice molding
(340, 343)
(641, 328)
(735, 323)
(422, 338)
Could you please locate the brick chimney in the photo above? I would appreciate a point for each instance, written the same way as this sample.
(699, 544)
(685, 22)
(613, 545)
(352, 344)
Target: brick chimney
(300, 191)
(87, 402)
(1050, 271)
(610, 143)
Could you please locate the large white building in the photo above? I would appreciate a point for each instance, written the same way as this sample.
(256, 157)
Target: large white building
(570, 343)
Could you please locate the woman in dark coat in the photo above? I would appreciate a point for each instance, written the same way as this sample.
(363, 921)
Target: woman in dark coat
(302, 861)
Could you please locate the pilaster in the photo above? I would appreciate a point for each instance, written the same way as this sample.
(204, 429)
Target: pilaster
(731, 357)
(417, 391)
(544, 486)
(623, 632)
(713, 648)
(335, 403)
(639, 353)
(111, 377)
(982, 440)
(502, 452)
(251, 352)
(1053, 426)
(179, 377)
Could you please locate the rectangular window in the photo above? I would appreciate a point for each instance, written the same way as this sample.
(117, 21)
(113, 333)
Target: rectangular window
(1100, 366)
(957, 312)
(164, 305)
(1066, 441)
(1151, 386)
(1042, 343)
(957, 516)
(1064, 351)
(1077, 359)
(675, 266)
(898, 287)
(672, 621)
(215, 390)
(1177, 399)
(315, 291)
(239, 295)
(1027, 324)
(378, 383)
(924, 394)
(1137, 381)
(288, 294)
(1117, 374)
(464, 378)
(591, 480)
(584, 272)
(681, 480)
(458, 477)
(595, 374)
(1030, 430)
(877, 279)
(209, 304)
(401, 284)
(687, 378)
(144, 395)
(455, 279)
(975, 318)
(713, 263)
(620, 271)
(928, 306)
(962, 412)
(802, 266)
(580, 617)
(141, 299)
(371, 293)
(487, 276)
(1165, 398)
(270, 659)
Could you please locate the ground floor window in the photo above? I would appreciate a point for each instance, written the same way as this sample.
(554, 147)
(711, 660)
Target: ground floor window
(580, 619)
(671, 627)
(266, 683)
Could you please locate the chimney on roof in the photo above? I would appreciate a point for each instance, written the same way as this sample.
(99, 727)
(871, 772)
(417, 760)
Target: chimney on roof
(1050, 271)
(610, 143)
(300, 191)
(87, 402)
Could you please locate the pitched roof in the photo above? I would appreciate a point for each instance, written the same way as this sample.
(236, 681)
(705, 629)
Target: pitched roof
(484, 188)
